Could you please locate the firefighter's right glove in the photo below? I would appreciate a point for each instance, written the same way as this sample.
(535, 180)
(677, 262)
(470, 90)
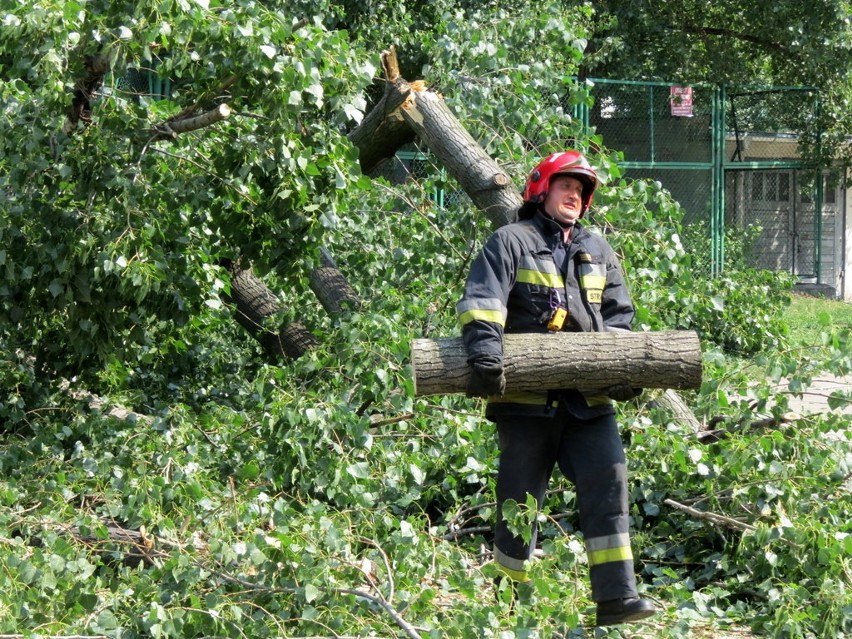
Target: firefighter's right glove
(486, 379)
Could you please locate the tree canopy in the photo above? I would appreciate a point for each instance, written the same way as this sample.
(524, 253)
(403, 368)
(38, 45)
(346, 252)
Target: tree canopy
(736, 43)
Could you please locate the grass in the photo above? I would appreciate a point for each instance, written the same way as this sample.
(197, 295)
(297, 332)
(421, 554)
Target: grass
(808, 316)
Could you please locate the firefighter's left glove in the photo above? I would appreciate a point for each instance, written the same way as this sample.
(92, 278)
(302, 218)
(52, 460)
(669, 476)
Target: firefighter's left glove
(623, 392)
(486, 379)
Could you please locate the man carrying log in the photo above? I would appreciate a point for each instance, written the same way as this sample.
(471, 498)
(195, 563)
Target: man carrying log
(545, 273)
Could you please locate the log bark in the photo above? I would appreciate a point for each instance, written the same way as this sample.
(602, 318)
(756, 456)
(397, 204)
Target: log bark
(331, 287)
(587, 361)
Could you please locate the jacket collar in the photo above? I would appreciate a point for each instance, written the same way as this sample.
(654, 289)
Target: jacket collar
(552, 231)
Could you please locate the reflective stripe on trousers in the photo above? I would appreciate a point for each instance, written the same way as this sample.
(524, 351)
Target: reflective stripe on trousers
(590, 454)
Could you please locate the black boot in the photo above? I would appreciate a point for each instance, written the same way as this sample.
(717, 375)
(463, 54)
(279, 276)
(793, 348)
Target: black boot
(616, 611)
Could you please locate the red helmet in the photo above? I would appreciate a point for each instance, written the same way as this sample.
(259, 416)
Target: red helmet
(571, 163)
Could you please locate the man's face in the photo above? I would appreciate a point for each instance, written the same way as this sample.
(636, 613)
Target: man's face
(564, 201)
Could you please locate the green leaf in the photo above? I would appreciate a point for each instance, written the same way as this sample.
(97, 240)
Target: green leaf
(311, 593)
(359, 470)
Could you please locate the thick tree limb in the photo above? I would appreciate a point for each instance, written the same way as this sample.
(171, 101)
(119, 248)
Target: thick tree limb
(588, 361)
(407, 110)
(331, 287)
(256, 308)
(488, 186)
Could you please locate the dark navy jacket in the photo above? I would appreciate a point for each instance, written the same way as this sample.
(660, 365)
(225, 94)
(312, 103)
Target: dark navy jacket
(522, 272)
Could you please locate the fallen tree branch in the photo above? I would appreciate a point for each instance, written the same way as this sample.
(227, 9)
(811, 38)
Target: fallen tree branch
(99, 405)
(133, 546)
(485, 182)
(711, 435)
(172, 128)
(721, 520)
(713, 518)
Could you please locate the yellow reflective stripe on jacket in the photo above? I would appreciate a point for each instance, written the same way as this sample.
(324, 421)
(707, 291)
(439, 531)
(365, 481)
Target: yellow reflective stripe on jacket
(593, 281)
(495, 317)
(529, 276)
(486, 309)
(609, 548)
(539, 272)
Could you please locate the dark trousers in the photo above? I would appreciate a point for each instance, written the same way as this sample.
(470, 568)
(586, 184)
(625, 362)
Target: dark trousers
(591, 455)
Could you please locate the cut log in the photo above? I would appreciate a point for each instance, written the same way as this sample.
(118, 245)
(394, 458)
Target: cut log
(586, 361)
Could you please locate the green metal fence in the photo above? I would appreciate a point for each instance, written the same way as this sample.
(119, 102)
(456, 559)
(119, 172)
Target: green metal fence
(731, 158)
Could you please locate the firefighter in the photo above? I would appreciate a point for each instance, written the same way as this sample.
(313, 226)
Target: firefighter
(547, 272)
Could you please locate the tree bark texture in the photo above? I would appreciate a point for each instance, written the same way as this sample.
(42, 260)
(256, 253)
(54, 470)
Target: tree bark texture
(587, 361)
(333, 289)
(256, 307)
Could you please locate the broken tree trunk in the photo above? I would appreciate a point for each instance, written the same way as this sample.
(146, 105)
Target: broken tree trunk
(587, 361)
(383, 131)
(407, 110)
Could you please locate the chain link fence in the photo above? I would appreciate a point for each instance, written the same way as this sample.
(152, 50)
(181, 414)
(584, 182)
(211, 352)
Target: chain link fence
(732, 160)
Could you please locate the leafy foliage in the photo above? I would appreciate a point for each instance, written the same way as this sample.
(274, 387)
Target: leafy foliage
(317, 496)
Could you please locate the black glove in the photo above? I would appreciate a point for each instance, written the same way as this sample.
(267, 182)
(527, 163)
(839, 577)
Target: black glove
(486, 379)
(623, 392)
